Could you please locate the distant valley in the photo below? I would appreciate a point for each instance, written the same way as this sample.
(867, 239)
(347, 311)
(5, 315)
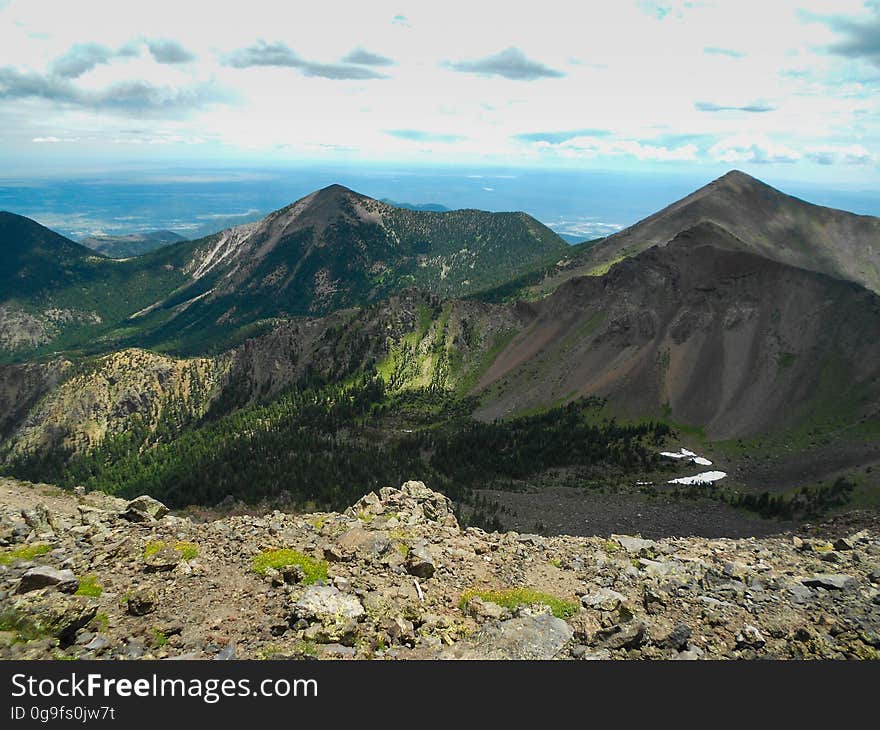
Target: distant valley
(343, 342)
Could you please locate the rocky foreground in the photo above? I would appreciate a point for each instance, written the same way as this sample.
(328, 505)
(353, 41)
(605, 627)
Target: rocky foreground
(394, 577)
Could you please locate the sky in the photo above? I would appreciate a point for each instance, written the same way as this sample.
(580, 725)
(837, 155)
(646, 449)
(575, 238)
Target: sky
(785, 88)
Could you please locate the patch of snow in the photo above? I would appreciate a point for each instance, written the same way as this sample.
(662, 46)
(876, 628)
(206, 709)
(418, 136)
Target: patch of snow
(706, 476)
(687, 455)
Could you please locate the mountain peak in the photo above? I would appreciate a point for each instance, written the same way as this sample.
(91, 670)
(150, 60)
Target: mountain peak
(737, 181)
(335, 190)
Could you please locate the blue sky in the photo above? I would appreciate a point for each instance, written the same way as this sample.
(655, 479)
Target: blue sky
(781, 88)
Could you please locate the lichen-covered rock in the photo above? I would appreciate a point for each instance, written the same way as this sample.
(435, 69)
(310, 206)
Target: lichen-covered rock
(327, 602)
(525, 637)
(166, 558)
(54, 614)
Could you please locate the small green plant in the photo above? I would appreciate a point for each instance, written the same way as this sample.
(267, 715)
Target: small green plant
(318, 522)
(313, 569)
(25, 552)
(556, 562)
(160, 638)
(187, 550)
(515, 597)
(610, 547)
(153, 547)
(89, 586)
(101, 621)
(309, 648)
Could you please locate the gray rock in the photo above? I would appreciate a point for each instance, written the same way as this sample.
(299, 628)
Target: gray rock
(525, 637)
(39, 519)
(327, 603)
(165, 559)
(144, 509)
(141, 602)
(55, 614)
(419, 562)
(831, 581)
(623, 636)
(44, 576)
(691, 653)
(799, 593)
(832, 556)
(636, 545)
(338, 650)
(365, 543)
(750, 637)
(97, 644)
(677, 638)
(484, 610)
(874, 576)
(603, 599)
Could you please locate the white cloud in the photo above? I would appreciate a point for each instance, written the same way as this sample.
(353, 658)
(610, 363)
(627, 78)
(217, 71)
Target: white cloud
(753, 149)
(634, 82)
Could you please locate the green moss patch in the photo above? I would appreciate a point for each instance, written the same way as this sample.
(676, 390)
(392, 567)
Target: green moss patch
(313, 569)
(89, 586)
(25, 552)
(515, 597)
(187, 550)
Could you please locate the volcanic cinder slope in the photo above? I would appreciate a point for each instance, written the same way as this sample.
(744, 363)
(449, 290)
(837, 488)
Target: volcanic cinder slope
(703, 329)
(767, 222)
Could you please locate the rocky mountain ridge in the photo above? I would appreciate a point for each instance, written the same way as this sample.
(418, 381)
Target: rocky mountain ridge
(764, 220)
(394, 577)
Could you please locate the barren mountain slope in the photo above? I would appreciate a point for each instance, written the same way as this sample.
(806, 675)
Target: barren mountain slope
(705, 331)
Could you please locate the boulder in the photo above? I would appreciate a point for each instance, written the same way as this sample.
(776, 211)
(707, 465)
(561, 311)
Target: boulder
(603, 599)
(419, 562)
(165, 559)
(39, 519)
(55, 614)
(636, 545)
(141, 602)
(332, 616)
(364, 543)
(327, 602)
(144, 509)
(831, 581)
(44, 576)
(538, 637)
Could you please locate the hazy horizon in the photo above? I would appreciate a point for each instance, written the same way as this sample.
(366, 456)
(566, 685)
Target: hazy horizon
(784, 90)
(577, 204)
